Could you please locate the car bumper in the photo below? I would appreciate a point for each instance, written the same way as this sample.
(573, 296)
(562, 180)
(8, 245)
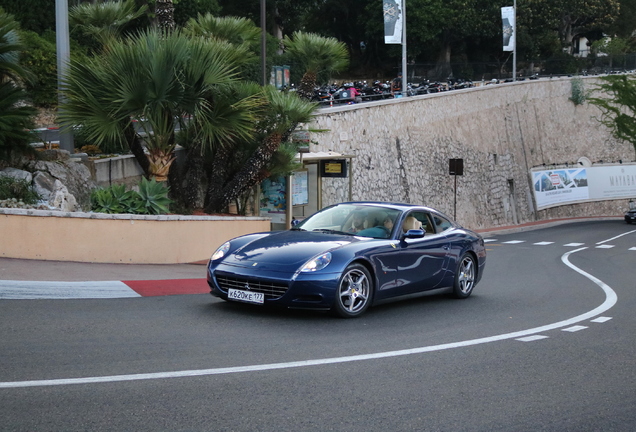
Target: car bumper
(630, 218)
(304, 291)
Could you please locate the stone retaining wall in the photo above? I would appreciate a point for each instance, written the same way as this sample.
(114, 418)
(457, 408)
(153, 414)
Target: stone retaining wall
(402, 148)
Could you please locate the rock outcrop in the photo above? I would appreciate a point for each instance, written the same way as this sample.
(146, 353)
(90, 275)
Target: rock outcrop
(63, 182)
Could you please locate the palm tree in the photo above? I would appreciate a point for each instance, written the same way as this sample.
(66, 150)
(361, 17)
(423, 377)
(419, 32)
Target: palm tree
(15, 116)
(279, 116)
(104, 21)
(234, 30)
(157, 81)
(316, 54)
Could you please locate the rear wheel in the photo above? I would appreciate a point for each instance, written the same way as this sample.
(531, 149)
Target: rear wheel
(465, 277)
(355, 292)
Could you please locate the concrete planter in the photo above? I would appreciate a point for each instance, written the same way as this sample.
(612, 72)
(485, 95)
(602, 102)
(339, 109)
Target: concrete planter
(104, 238)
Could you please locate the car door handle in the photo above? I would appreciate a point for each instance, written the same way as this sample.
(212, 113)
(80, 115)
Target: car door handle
(446, 247)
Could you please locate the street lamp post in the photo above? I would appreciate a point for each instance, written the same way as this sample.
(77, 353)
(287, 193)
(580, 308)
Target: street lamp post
(63, 57)
(263, 43)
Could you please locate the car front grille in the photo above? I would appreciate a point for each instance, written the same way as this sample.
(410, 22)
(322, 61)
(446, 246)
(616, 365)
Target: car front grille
(271, 289)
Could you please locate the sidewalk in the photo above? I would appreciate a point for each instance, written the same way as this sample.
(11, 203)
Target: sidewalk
(20, 279)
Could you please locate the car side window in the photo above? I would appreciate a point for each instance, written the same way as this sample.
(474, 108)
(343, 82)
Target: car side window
(441, 224)
(423, 218)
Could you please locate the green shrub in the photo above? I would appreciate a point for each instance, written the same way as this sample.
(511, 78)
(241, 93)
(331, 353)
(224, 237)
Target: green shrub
(152, 198)
(19, 189)
(39, 57)
(103, 201)
(579, 95)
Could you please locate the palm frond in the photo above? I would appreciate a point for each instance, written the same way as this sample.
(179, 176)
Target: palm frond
(104, 21)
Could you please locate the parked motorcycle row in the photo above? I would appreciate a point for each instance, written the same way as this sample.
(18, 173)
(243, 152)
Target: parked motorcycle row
(335, 93)
(361, 91)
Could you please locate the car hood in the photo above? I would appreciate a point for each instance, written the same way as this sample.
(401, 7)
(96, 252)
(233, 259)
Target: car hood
(286, 251)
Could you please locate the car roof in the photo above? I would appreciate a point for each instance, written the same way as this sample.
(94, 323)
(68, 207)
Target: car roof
(396, 206)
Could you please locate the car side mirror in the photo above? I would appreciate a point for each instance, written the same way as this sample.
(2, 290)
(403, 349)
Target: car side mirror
(414, 233)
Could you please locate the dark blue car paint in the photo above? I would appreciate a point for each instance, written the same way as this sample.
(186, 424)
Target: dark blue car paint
(399, 266)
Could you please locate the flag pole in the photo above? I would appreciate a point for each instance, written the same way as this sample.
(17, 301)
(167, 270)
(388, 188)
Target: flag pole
(514, 51)
(404, 72)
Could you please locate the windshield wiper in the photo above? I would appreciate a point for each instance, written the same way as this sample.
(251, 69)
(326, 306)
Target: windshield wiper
(330, 231)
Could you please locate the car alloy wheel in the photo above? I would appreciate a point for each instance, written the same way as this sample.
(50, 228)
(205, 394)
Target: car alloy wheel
(465, 277)
(355, 292)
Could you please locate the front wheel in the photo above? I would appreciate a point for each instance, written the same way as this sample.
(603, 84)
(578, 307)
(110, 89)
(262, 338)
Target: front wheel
(355, 292)
(465, 277)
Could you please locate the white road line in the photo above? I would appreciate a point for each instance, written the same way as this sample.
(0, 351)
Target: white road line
(543, 243)
(604, 247)
(489, 240)
(64, 290)
(614, 238)
(634, 249)
(514, 242)
(610, 300)
(574, 328)
(574, 244)
(601, 319)
(532, 338)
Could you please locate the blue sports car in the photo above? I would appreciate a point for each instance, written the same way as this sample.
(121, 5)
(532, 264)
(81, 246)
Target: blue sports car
(348, 257)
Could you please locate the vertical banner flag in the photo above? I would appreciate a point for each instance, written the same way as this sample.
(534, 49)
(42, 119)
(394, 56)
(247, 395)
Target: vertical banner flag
(509, 31)
(392, 21)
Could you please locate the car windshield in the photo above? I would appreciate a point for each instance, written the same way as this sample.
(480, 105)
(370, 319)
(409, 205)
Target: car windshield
(353, 219)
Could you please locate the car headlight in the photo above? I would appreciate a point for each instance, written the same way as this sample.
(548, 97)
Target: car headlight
(318, 263)
(220, 252)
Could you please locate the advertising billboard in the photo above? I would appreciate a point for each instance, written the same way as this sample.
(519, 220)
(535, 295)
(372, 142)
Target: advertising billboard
(562, 186)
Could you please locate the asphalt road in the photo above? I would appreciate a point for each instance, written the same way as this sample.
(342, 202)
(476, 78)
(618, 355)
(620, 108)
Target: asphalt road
(546, 343)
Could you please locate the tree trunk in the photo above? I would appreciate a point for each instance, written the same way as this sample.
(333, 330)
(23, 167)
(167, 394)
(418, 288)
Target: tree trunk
(192, 193)
(217, 178)
(307, 84)
(164, 12)
(159, 163)
(137, 149)
(443, 67)
(567, 35)
(252, 172)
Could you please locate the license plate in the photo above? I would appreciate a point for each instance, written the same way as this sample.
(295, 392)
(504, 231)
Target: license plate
(245, 296)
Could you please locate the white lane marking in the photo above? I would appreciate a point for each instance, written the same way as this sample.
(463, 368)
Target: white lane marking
(574, 328)
(601, 319)
(532, 338)
(64, 290)
(634, 249)
(614, 238)
(604, 247)
(574, 244)
(610, 300)
(543, 243)
(514, 241)
(489, 240)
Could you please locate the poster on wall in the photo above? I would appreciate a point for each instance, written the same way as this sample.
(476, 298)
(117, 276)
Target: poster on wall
(613, 182)
(273, 200)
(566, 186)
(300, 191)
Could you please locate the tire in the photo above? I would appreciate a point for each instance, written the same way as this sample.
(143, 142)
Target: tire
(355, 292)
(465, 277)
